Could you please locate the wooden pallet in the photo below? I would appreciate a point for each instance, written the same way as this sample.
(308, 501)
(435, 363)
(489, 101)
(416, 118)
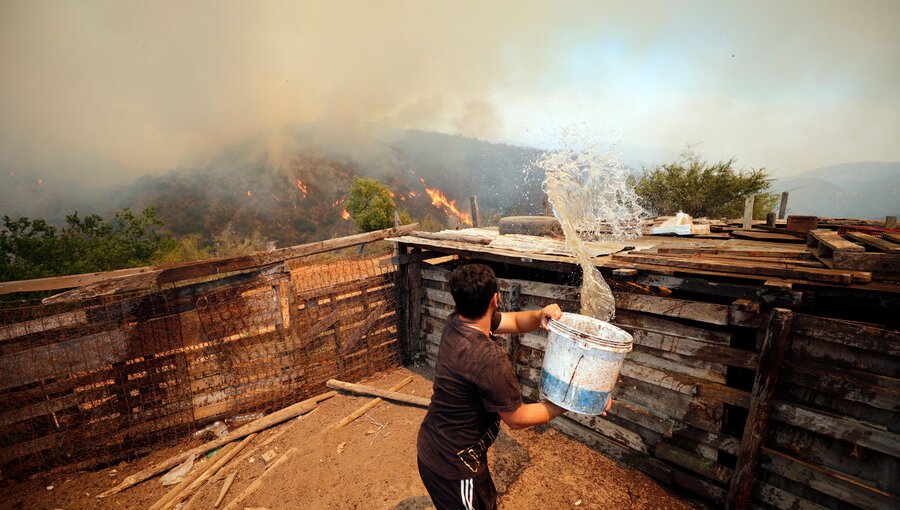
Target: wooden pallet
(838, 253)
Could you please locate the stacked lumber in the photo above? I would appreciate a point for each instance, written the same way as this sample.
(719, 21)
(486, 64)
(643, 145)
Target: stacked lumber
(856, 251)
(672, 393)
(832, 403)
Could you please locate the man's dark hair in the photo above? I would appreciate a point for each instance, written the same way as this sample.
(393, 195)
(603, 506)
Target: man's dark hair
(472, 287)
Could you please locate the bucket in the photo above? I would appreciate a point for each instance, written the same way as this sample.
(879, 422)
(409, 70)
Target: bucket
(582, 362)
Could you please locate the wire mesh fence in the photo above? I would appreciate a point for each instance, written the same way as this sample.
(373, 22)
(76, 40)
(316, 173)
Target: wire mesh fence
(89, 383)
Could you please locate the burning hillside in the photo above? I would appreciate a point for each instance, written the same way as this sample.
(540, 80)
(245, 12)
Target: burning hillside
(430, 175)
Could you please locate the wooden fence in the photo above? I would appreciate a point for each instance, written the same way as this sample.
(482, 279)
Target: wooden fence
(813, 402)
(91, 381)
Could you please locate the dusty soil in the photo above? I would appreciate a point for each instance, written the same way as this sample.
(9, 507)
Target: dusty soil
(370, 463)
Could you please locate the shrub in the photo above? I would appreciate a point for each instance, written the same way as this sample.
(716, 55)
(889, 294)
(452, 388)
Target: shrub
(699, 188)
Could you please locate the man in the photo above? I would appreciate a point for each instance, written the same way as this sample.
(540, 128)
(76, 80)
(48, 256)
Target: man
(475, 386)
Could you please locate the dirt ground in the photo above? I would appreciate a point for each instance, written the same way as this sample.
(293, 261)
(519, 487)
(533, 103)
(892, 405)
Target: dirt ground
(370, 463)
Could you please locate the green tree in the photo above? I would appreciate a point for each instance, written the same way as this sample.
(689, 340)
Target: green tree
(35, 249)
(699, 188)
(370, 204)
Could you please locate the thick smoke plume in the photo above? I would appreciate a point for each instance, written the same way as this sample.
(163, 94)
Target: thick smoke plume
(107, 89)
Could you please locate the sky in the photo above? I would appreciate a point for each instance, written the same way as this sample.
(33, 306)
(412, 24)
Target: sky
(107, 89)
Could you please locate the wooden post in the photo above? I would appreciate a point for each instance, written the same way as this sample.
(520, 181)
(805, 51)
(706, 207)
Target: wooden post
(403, 333)
(396, 224)
(748, 212)
(782, 208)
(476, 216)
(770, 219)
(774, 345)
(890, 222)
(414, 290)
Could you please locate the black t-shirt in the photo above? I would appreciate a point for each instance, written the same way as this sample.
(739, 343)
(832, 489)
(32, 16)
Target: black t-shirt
(474, 380)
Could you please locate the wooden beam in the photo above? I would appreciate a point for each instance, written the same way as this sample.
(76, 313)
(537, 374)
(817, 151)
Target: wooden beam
(782, 207)
(362, 389)
(748, 212)
(263, 478)
(370, 404)
(751, 268)
(66, 282)
(160, 275)
(774, 346)
(476, 215)
(255, 426)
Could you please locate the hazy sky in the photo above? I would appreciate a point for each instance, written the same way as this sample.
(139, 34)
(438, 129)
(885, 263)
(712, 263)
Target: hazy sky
(145, 86)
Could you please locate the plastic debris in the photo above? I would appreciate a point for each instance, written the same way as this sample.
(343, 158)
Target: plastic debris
(215, 429)
(177, 473)
(681, 224)
(242, 418)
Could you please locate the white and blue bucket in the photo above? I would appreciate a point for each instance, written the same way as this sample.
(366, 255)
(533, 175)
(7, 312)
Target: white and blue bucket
(582, 362)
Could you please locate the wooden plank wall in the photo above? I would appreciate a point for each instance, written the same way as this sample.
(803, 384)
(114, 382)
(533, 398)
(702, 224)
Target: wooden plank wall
(684, 391)
(94, 384)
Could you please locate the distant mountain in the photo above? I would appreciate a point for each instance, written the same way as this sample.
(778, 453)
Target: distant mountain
(863, 189)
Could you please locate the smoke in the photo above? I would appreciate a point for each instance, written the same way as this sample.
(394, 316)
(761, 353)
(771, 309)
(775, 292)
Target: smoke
(137, 87)
(106, 89)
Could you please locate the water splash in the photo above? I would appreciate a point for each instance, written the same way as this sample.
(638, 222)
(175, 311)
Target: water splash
(593, 198)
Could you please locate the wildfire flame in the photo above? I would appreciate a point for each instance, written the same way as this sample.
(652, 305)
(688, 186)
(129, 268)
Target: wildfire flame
(345, 214)
(338, 202)
(249, 194)
(412, 194)
(40, 182)
(439, 200)
(302, 187)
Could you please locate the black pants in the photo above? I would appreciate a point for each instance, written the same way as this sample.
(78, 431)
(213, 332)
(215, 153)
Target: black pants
(476, 493)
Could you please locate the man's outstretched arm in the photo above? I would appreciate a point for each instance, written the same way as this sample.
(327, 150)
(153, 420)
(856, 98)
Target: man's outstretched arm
(523, 322)
(530, 415)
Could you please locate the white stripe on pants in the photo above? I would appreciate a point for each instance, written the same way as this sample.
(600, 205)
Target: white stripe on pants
(465, 491)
